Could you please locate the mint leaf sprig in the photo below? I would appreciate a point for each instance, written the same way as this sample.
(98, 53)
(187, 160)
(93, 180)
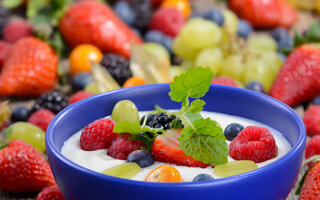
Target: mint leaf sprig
(201, 138)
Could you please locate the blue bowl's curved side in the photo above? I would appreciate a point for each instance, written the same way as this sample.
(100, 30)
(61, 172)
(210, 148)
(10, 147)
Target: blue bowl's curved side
(273, 181)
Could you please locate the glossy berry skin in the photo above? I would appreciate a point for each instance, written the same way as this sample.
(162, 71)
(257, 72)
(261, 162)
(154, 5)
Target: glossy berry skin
(232, 130)
(284, 40)
(80, 81)
(50, 193)
(81, 57)
(164, 174)
(16, 30)
(20, 113)
(244, 29)
(53, 101)
(311, 120)
(168, 21)
(97, 135)
(313, 147)
(4, 51)
(255, 86)
(41, 118)
(142, 157)
(20, 77)
(161, 120)
(95, 23)
(78, 96)
(123, 9)
(214, 15)
(316, 100)
(23, 169)
(160, 38)
(202, 177)
(298, 79)
(223, 80)
(253, 143)
(310, 189)
(122, 146)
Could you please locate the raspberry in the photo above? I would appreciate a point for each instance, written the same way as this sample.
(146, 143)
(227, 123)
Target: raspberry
(98, 135)
(41, 118)
(122, 146)
(53, 101)
(253, 143)
(4, 51)
(313, 147)
(79, 96)
(50, 193)
(224, 81)
(16, 30)
(311, 120)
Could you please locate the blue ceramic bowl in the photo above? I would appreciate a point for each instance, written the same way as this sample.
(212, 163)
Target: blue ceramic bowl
(271, 182)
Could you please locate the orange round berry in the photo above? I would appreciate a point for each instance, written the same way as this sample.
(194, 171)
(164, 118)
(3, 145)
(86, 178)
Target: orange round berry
(164, 173)
(182, 5)
(82, 56)
(134, 81)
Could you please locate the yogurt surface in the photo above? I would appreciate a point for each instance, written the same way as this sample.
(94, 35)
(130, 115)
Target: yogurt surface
(98, 160)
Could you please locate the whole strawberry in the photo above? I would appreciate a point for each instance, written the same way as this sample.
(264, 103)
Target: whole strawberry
(30, 70)
(50, 193)
(23, 169)
(310, 189)
(298, 79)
(95, 23)
(311, 120)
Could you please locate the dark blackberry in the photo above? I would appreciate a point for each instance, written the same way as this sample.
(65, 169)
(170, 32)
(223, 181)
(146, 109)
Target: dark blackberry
(161, 120)
(143, 12)
(117, 66)
(53, 101)
(4, 19)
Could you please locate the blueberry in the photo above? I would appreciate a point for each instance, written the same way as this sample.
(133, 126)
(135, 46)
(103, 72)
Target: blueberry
(316, 100)
(232, 130)
(202, 177)
(141, 157)
(214, 15)
(244, 29)
(256, 86)
(160, 38)
(198, 14)
(20, 113)
(80, 81)
(123, 9)
(284, 40)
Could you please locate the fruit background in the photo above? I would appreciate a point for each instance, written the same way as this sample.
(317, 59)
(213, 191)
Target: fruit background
(75, 63)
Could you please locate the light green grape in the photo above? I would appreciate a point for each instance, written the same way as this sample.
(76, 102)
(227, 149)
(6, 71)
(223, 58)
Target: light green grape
(92, 87)
(233, 67)
(234, 167)
(199, 33)
(175, 71)
(258, 70)
(230, 22)
(262, 43)
(29, 133)
(211, 57)
(273, 61)
(184, 51)
(157, 50)
(125, 110)
(125, 170)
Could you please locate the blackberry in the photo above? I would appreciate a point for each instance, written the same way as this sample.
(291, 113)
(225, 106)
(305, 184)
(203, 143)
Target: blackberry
(161, 120)
(143, 12)
(53, 101)
(4, 19)
(117, 66)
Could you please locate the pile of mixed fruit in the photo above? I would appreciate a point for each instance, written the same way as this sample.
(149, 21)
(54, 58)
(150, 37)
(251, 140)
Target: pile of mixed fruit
(58, 52)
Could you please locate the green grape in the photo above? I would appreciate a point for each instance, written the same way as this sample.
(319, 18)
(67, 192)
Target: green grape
(258, 70)
(175, 71)
(212, 57)
(92, 87)
(199, 33)
(234, 167)
(233, 67)
(273, 61)
(125, 110)
(262, 43)
(29, 133)
(230, 22)
(157, 50)
(184, 51)
(125, 170)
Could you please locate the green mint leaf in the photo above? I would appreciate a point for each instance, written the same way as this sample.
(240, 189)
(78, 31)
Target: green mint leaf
(196, 106)
(313, 33)
(194, 83)
(175, 124)
(144, 138)
(192, 116)
(205, 142)
(11, 3)
(129, 127)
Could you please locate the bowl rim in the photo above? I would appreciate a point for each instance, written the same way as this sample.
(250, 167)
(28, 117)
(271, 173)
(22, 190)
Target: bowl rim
(55, 152)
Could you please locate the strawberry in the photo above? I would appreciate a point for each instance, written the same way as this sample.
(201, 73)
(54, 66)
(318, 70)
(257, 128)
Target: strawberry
(41, 118)
(222, 80)
(4, 52)
(311, 120)
(23, 169)
(16, 30)
(298, 79)
(310, 188)
(50, 193)
(30, 70)
(288, 14)
(166, 149)
(313, 147)
(95, 23)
